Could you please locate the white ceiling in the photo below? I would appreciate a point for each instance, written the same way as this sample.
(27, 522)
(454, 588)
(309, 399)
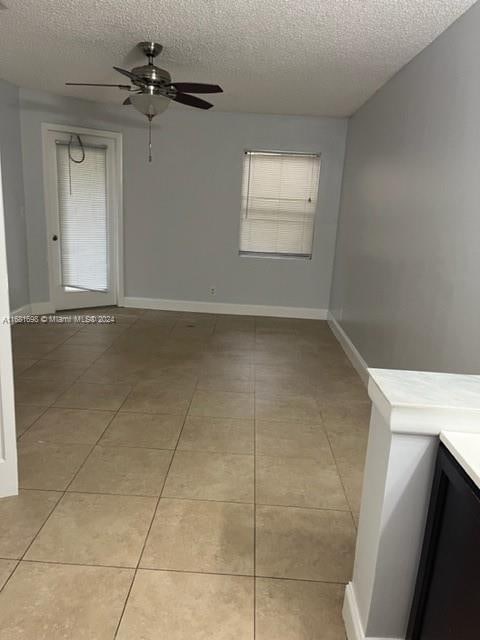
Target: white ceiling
(308, 57)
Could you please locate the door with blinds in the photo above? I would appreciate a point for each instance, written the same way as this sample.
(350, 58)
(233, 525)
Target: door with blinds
(80, 202)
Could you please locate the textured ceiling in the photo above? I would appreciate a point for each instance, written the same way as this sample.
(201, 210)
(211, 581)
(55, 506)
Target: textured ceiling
(309, 57)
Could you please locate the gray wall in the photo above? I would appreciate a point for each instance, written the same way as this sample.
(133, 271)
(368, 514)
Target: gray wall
(406, 286)
(182, 212)
(12, 179)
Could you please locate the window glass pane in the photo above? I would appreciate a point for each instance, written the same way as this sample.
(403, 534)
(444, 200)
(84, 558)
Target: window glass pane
(279, 200)
(82, 202)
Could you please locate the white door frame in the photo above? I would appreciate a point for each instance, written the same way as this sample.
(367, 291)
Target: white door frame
(8, 436)
(117, 209)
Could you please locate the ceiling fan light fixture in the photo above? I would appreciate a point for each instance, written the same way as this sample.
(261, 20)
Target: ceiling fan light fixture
(152, 88)
(149, 105)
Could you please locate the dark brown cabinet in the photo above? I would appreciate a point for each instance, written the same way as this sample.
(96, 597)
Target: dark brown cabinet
(446, 604)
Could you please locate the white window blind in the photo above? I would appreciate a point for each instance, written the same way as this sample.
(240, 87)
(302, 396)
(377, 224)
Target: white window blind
(279, 200)
(82, 203)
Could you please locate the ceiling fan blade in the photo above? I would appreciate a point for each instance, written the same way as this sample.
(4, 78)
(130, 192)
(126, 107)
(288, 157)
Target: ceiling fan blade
(127, 101)
(97, 84)
(192, 101)
(197, 87)
(135, 79)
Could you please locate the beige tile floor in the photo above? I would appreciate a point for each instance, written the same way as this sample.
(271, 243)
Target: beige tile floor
(183, 476)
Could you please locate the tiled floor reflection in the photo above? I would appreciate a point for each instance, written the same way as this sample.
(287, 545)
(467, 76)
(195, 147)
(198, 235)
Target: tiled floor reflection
(183, 476)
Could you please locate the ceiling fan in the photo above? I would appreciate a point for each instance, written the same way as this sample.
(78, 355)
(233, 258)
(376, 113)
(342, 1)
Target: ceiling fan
(152, 88)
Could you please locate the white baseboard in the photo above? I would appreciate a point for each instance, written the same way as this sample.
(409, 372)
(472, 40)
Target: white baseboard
(21, 311)
(350, 349)
(351, 617)
(226, 307)
(35, 309)
(38, 308)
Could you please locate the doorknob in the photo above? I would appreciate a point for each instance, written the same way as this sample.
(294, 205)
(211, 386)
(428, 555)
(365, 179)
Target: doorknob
(55, 238)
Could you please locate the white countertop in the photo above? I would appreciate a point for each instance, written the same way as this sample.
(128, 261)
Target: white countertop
(465, 448)
(423, 403)
(424, 389)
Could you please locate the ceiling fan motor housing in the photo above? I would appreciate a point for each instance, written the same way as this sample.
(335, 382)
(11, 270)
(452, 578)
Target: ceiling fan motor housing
(157, 80)
(151, 74)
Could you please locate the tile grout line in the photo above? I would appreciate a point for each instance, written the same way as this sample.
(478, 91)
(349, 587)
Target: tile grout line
(163, 570)
(64, 492)
(95, 444)
(155, 509)
(184, 499)
(45, 409)
(17, 562)
(347, 499)
(338, 469)
(50, 406)
(26, 378)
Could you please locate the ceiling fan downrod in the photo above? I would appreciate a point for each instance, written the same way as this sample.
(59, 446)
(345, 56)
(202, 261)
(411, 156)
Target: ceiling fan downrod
(150, 49)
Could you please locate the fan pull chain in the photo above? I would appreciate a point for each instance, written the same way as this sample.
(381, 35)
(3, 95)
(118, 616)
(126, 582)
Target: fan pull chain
(149, 138)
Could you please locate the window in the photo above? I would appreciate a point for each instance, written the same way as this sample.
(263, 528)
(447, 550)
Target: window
(279, 200)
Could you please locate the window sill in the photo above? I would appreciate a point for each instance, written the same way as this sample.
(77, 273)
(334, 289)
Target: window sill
(274, 256)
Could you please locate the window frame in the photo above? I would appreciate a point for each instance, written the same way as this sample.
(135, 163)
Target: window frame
(272, 254)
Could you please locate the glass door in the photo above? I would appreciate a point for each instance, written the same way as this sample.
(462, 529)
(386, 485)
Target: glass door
(81, 229)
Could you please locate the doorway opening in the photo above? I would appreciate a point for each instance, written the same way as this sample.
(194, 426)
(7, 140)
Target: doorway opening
(83, 202)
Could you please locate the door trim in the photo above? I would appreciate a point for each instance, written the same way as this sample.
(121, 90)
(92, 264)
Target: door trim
(8, 437)
(117, 212)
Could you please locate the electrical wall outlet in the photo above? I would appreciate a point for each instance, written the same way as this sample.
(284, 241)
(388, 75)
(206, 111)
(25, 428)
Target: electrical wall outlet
(213, 291)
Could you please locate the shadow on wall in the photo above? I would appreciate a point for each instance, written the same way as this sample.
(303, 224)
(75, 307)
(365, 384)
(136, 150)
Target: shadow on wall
(107, 113)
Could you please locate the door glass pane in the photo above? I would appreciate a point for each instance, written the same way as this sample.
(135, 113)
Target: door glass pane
(82, 204)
